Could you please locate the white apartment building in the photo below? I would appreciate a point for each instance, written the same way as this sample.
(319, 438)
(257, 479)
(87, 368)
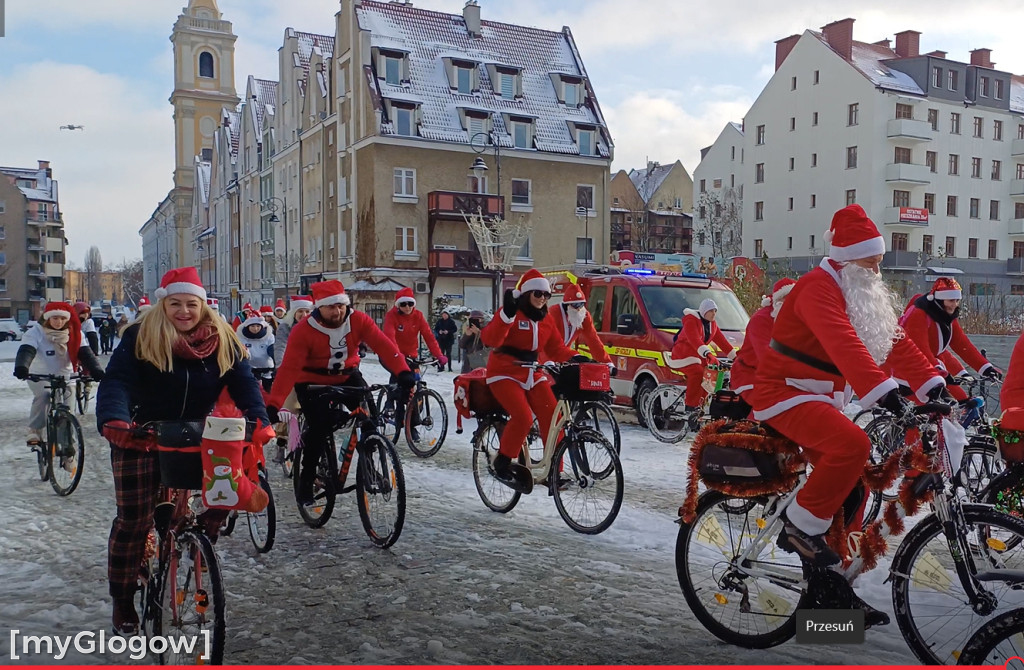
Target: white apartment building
(931, 147)
(720, 173)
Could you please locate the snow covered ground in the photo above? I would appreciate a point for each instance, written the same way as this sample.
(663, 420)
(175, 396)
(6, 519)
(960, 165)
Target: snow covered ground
(462, 585)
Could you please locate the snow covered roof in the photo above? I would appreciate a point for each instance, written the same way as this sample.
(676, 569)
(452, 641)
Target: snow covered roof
(203, 174)
(1017, 93)
(232, 121)
(388, 285)
(868, 60)
(44, 190)
(648, 180)
(265, 94)
(310, 41)
(737, 126)
(428, 37)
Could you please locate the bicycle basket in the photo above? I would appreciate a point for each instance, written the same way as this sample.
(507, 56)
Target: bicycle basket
(178, 447)
(728, 405)
(583, 382)
(1011, 443)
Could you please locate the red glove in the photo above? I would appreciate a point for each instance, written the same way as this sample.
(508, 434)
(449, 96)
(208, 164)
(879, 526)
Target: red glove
(442, 360)
(712, 359)
(124, 435)
(263, 434)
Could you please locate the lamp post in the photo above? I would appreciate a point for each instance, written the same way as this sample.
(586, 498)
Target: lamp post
(480, 146)
(584, 213)
(273, 203)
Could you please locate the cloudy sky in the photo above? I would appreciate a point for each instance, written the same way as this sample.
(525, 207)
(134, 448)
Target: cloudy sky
(668, 74)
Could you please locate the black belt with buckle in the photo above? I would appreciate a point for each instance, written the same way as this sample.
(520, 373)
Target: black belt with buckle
(800, 356)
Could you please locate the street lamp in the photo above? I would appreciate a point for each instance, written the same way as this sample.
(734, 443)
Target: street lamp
(584, 213)
(273, 204)
(480, 146)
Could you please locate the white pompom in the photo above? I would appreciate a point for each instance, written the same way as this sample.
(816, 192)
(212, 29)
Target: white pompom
(828, 236)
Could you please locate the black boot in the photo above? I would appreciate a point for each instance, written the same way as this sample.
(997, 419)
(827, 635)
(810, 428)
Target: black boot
(513, 475)
(126, 618)
(872, 617)
(692, 417)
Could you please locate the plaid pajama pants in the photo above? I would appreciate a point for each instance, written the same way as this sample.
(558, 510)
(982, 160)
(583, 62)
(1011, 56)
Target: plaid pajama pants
(136, 480)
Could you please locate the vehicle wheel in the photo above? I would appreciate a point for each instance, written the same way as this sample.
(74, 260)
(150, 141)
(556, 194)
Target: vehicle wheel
(324, 486)
(666, 414)
(66, 453)
(586, 481)
(734, 606)
(3, 337)
(263, 525)
(640, 391)
(194, 602)
(932, 608)
(1000, 639)
(380, 490)
(496, 496)
(427, 416)
(599, 416)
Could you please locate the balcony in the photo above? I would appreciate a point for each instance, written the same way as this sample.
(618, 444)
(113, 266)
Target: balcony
(451, 205)
(53, 269)
(54, 243)
(266, 247)
(908, 174)
(455, 261)
(54, 294)
(1017, 188)
(912, 217)
(901, 260)
(910, 130)
(1015, 227)
(1017, 148)
(35, 270)
(1015, 266)
(34, 245)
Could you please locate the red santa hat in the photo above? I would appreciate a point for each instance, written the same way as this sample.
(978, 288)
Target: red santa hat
(247, 307)
(532, 280)
(279, 306)
(181, 280)
(779, 291)
(573, 293)
(73, 326)
(405, 295)
(144, 304)
(62, 309)
(945, 288)
(330, 292)
(853, 236)
(301, 302)
(267, 309)
(252, 319)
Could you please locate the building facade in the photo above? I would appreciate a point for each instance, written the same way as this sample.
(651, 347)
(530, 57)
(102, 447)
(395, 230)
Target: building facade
(32, 242)
(651, 209)
(718, 196)
(110, 285)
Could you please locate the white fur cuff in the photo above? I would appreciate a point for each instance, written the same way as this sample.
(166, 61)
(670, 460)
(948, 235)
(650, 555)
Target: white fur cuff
(704, 351)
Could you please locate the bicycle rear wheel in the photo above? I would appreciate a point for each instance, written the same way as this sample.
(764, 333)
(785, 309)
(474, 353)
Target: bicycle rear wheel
(81, 400)
(932, 607)
(586, 481)
(665, 413)
(733, 604)
(497, 496)
(66, 453)
(599, 416)
(263, 525)
(1000, 639)
(386, 412)
(886, 437)
(380, 490)
(426, 420)
(324, 485)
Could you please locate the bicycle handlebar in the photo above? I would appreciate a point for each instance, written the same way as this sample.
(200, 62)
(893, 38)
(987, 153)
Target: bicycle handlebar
(32, 377)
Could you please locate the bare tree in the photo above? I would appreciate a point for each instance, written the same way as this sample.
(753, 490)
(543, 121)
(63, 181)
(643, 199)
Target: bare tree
(131, 281)
(93, 270)
(720, 218)
(640, 226)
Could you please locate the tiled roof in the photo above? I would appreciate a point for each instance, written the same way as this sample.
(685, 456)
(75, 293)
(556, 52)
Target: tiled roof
(308, 42)
(429, 37)
(647, 181)
(867, 59)
(265, 91)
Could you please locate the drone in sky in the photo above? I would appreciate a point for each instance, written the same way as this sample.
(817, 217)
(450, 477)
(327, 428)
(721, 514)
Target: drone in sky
(72, 126)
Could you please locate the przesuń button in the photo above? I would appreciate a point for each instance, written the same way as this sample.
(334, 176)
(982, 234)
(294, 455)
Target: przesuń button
(830, 626)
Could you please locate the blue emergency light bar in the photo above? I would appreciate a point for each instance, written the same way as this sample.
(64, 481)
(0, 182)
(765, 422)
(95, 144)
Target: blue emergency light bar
(638, 271)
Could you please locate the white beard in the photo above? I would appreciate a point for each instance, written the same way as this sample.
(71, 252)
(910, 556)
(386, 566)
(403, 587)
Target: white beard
(873, 310)
(576, 317)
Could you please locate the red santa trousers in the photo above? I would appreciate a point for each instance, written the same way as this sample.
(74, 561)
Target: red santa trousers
(695, 392)
(837, 449)
(521, 405)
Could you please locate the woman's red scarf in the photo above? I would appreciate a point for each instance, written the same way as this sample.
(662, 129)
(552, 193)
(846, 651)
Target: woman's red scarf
(197, 344)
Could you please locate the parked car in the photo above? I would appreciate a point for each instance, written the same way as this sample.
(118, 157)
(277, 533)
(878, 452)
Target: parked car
(10, 330)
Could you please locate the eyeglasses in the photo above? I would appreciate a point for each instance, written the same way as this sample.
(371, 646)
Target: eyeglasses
(576, 305)
(406, 304)
(542, 294)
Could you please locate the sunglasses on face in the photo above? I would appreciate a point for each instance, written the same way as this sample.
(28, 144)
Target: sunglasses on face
(576, 305)
(406, 304)
(542, 294)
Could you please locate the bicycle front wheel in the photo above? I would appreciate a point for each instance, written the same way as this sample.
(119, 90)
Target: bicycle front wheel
(380, 490)
(66, 453)
(426, 423)
(599, 417)
(191, 604)
(997, 641)
(263, 525)
(665, 412)
(586, 481)
(734, 603)
(936, 615)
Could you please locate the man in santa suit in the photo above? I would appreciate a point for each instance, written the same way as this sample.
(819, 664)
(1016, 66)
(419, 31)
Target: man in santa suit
(756, 339)
(691, 354)
(572, 322)
(932, 323)
(838, 326)
(324, 349)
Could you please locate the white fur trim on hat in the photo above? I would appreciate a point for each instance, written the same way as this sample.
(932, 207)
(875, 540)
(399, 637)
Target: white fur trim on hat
(874, 246)
(251, 321)
(766, 300)
(405, 299)
(706, 305)
(301, 304)
(533, 284)
(336, 299)
(56, 312)
(782, 293)
(948, 295)
(180, 287)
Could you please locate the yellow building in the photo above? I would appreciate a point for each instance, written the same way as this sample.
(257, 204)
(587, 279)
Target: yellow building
(76, 287)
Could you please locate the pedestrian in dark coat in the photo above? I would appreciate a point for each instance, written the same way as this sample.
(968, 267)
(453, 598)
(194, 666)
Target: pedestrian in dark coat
(445, 330)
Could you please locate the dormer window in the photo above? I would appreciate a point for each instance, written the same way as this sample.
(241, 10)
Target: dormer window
(404, 120)
(587, 140)
(393, 66)
(506, 85)
(475, 124)
(522, 133)
(393, 70)
(571, 91)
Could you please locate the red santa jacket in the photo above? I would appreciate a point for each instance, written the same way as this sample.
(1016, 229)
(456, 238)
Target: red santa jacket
(813, 321)
(316, 353)
(755, 343)
(405, 330)
(1012, 394)
(520, 334)
(569, 335)
(691, 347)
(936, 343)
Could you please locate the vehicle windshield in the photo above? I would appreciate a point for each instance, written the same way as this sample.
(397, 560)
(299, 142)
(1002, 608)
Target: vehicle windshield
(665, 305)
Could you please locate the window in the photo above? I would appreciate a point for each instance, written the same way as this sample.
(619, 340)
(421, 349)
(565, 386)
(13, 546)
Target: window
(521, 192)
(405, 182)
(701, 239)
(997, 170)
(814, 201)
(792, 123)
(929, 202)
(759, 210)
(982, 289)
(951, 247)
(3, 206)
(393, 70)
(993, 210)
(851, 157)
(814, 119)
(900, 241)
(975, 206)
(954, 164)
(997, 131)
(404, 121)
(851, 114)
(759, 173)
(792, 87)
(904, 111)
(760, 134)
(506, 85)
(703, 185)
(954, 123)
(814, 160)
(3, 233)
(41, 214)
(933, 118)
(524, 251)
(1018, 210)
(851, 196)
(3, 285)
(464, 79)
(1016, 289)
(976, 167)
(477, 184)
(758, 248)
(811, 245)
(571, 94)
(1018, 249)
(791, 204)
(901, 198)
(817, 77)
(3, 258)
(586, 141)
(405, 240)
(1020, 171)
(792, 163)
(902, 155)
(930, 159)
(953, 79)
(584, 249)
(623, 302)
(993, 249)
(978, 125)
(521, 135)
(1020, 131)
(972, 247)
(950, 205)
(789, 243)
(475, 125)
(937, 77)
(732, 153)
(703, 212)
(926, 245)
(206, 65)
(999, 89)
(984, 89)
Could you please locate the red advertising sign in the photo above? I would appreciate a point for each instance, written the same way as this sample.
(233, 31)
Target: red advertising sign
(914, 215)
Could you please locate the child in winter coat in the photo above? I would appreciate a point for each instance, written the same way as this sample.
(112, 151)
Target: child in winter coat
(52, 346)
(258, 338)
